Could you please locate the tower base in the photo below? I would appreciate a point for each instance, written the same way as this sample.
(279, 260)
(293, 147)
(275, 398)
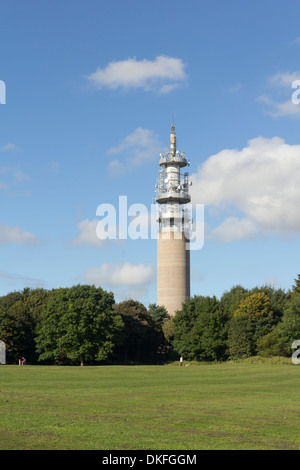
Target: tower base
(173, 271)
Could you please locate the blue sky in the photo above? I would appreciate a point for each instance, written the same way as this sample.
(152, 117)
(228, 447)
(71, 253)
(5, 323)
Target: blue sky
(91, 88)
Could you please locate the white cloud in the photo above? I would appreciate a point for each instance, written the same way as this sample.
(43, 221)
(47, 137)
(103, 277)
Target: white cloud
(108, 232)
(260, 181)
(116, 168)
(161, 75)
(280, 104)
(272, 282)
(234, 229)
(8, 146)
(15, 234)
(87, 234)
(23, 280)
(12, 177)
(234, 88)
(279, 109)
(20, 176)
(284, 79)
(140, 138)
(139, 147)
(117, 275)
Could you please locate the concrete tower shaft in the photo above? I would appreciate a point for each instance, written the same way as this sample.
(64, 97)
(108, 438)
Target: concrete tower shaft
(173, 254)
(173, 271)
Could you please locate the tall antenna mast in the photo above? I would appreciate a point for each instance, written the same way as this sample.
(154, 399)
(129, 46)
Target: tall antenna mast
(173, 254)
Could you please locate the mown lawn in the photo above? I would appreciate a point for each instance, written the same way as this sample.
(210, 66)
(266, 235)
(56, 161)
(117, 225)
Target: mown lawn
(217, 406)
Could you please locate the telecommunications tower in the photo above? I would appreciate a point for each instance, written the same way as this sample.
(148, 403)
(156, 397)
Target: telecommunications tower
(173, 253)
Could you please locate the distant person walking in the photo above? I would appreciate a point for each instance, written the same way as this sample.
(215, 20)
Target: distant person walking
(181, 361)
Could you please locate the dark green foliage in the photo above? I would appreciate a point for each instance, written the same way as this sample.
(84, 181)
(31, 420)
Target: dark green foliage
(200, 331)
(20, 313)
(271, 344)
(163, 326)
(253, 319)
(158, 314)
(141, 336)
(208, 329)
(231, 300)
(183, 325)
(277, 297)
(240, 338)
(78, 326)
(82, 324)
(279, 340)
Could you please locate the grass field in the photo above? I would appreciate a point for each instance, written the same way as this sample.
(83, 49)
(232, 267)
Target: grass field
(216, 406)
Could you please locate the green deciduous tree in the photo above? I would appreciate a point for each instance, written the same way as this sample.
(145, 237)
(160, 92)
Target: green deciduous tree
(253, 319)
(161, 319)
(141, 337)
(158, 314)
(183, 324)
(78, 326)
(200, 331)
(279, 341)
(231, 300)
(277, 298)
(19, 316)
(254, 306)
(240, 338)
(271, 344)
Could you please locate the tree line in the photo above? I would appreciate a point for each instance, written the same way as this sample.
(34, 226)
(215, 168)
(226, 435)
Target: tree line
(84, 325)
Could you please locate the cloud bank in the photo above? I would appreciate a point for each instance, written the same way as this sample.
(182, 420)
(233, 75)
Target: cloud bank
(256, 189)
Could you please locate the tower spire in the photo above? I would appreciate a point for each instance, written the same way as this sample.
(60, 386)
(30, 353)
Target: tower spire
(173, 141)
